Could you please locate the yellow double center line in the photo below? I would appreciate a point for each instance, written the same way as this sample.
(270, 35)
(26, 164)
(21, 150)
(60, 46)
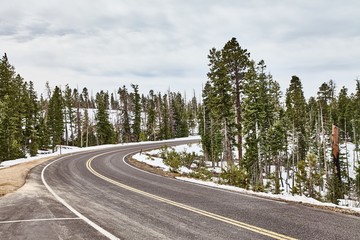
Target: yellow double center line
(249, 227)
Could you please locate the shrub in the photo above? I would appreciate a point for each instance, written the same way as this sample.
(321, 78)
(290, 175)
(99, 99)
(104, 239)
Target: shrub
(235, 176)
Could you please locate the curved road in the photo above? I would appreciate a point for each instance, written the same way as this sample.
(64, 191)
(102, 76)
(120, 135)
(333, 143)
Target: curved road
(97, 195)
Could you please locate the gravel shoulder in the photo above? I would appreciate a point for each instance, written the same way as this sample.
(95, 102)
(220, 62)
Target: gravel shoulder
(14, 177)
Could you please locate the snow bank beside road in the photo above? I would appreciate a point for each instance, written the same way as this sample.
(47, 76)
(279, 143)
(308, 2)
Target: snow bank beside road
(148, 157)
(70, 149)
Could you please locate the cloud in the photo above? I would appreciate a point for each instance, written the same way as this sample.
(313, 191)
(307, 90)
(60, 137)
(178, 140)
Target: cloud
(162, 44)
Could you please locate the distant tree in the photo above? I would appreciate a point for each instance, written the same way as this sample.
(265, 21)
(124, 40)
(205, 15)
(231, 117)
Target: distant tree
(69, 115)
(136, 126)
(179, 114)
(296, 116)
(192, 114)
(124, 109)
(31, 119)
(344, 115)
(56, 117)
(104, 129)
(165, 128)
(151, 114)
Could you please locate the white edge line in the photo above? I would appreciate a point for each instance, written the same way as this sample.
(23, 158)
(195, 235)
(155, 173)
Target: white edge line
(38, 220)
(62, 201)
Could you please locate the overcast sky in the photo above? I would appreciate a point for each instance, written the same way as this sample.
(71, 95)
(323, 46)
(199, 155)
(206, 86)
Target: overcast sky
(162, 44)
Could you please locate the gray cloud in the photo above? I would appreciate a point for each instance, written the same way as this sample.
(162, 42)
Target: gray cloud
(164, 43)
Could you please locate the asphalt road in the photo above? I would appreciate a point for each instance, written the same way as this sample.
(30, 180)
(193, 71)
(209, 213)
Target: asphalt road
(96, 195)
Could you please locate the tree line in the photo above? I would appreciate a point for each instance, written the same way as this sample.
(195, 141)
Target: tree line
(244, 122)
(29, 123)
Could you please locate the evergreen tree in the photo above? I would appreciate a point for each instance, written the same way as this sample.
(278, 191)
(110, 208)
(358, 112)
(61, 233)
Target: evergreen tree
(165, 128)
(296, 117)
(85, 121)
(125, 119)
(222, 101)
(31, 119)
(236, 61)
(151, 113)
(344, 115)
(69, 115)
(180, 125)
(12, 103)
(104, 129)
(210, 128)
(136, 126)
(78, 119)
(262, 110)
(56, 118)
(192, 114)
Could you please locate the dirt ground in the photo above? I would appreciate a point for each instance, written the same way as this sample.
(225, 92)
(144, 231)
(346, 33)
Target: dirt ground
(14, 177)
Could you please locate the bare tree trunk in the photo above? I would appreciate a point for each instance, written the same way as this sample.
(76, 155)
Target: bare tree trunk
(227, 146)
(260, 176)
(238, 117)
(66, 129)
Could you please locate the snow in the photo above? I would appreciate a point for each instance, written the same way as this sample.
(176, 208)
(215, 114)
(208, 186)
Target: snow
(69, 149)
(153, 161)
(284, 196)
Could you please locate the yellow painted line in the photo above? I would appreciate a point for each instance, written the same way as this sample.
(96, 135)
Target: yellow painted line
(233, 222)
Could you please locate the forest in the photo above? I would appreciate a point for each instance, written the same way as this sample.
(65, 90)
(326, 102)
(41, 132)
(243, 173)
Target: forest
(244, 112)
(243, 118)
(29, 123)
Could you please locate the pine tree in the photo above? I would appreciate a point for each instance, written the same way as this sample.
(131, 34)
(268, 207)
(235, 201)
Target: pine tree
(56, 118)
(136, 126)
(222, 101)
(85, 121)
(12, 102)
(151, 114)
(78, 141)
(296, 116)
(236, 61)
(125, 119)
(165, 128)
(104, 129)
(210, 128)
(31, 119)
(344, 117)
(69, 115)
(262, 109)
(192, 114)
(180, 126)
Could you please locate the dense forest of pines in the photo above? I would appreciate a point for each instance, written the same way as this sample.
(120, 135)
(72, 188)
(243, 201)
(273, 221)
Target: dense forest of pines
(244, 120)
(243, 113)
(67, 116)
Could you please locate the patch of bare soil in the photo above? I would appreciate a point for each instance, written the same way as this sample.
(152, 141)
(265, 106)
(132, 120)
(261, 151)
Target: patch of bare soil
(14, 177)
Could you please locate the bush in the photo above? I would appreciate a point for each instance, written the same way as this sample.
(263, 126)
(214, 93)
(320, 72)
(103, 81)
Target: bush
(173, 160)
(202, 174)
(235, 176)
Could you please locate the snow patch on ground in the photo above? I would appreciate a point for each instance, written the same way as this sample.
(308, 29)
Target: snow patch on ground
(285, 196)
(68, 149)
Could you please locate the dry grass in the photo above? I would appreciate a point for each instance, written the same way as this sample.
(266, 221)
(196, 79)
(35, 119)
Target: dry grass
(14, 177)
(152, 169)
